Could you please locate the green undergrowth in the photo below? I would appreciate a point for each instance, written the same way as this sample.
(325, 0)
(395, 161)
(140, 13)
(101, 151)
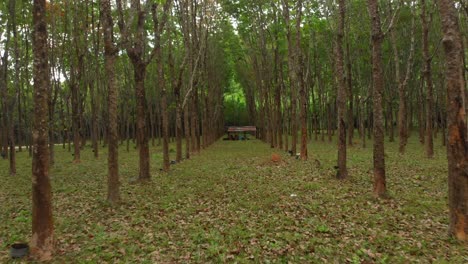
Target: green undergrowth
(232, 204)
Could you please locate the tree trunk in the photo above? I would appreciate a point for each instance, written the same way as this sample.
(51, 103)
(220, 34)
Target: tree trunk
(457, 147)
(94, 120)
(110, 54)
(421, 123)
(350, 96)
(390, 121)
(377, 80)
(42, 242)
(299, 69)
(53, 94)
(165, 121)
(402, 84)
(363, 125)
(158, 28)
(342, 172)
(292, 76)
(76, 121)
(187, 131)
(428, 80)
(179, 132)
(176, 86)
(128, 137)
(11, 133)
(193, 126)
(4, 90)
(141, 133)
(68, 136)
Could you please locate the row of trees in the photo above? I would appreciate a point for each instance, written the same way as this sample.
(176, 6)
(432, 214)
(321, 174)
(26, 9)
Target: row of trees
(293, 56)
(107, 72)
(168, 53)
(311, 68)
(146, 70)
(183, 36)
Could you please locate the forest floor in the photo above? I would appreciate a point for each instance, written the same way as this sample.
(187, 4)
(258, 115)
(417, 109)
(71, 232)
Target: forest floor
(231, 203)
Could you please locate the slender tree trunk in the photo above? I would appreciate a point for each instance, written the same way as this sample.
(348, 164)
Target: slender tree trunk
(421, 123)
(135, 47)
(193, 126)
(128, 136)
(457, 147)
(197, 122)
(110, 54)
(279, 123)
(165, 122)
(11, 121)
(428, 80)
(151, 124)
(76, 122)
(141, 133)
(176, 86)
(363, 126)
(292, 76)
(299, 69)
(179, 133)
(402, 84)
(342, 172)
(377, 80)
(53, 93)
(42, 242)
(94, 120)
(68, 136)
(369, 119)
(158, 28)
(11, 140)
(390, 121)
(4, 88)
(187, 131)
(286, 126)
(350, 96)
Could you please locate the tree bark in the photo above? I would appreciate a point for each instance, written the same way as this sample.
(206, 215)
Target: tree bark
(428, 80)
(342, 172)
(176, 87)
(11, 132)
(76, 124)
(292, 76)
(158, 28)
(110, 54)
(135, 51)
(187, 131)
(141, 133)
(42, 242)
(377, 80)
(299, 69)
(350, 97)
(402, 84)
(457, 147)
(420, 110)
(4, 89)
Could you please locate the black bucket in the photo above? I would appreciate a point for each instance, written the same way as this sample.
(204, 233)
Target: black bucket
(19, 250)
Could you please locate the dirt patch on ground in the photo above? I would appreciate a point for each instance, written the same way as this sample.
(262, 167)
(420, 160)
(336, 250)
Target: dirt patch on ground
(274, 160)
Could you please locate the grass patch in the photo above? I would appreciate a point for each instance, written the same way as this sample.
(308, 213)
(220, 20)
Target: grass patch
(230, 204)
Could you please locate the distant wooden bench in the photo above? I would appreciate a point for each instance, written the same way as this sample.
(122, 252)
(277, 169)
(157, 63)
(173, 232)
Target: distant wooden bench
(234, 131)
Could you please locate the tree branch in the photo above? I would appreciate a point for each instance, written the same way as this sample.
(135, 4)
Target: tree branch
(392, 21)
